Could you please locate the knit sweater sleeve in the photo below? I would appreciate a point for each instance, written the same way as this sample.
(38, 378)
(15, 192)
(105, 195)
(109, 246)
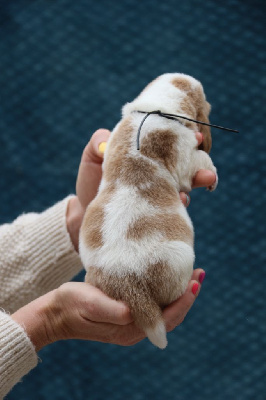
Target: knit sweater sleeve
(17, 354)
(36, 256)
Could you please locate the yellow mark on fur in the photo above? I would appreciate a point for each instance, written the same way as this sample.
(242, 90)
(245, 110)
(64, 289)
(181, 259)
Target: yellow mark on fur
(102, 147)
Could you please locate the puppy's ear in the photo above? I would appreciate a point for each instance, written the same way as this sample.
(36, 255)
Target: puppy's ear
(203, 115)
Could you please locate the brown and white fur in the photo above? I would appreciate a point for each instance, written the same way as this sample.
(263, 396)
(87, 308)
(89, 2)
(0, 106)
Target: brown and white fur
(136, 239)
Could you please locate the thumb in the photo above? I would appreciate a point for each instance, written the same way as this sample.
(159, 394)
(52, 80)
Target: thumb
(90, 168)
(95, 149)
(204, 177)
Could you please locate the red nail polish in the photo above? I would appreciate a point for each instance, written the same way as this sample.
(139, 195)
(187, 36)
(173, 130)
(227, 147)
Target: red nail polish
(201, 277)
(195, 288)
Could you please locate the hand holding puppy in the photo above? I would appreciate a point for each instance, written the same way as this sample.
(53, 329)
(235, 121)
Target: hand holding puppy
(77, 310)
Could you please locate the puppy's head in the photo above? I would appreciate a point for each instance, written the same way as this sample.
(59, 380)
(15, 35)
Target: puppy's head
(176, 94)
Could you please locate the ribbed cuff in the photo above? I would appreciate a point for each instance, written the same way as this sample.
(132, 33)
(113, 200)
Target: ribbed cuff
(54, 258)
(17, 353)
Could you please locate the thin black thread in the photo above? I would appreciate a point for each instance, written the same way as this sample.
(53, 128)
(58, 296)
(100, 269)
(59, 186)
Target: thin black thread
(175, 117)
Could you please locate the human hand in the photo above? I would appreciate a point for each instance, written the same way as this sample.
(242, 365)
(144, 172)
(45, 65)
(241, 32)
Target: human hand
(97, 317)
(77, 310)
(88, 180)
(89, 176)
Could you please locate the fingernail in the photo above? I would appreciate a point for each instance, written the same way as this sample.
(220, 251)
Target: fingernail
(102, 147)
(195, 288)
(188, 200)
(201, 277)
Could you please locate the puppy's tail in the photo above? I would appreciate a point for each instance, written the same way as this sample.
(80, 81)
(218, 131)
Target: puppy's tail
(157, 335)
(148, 316)
(146, 313)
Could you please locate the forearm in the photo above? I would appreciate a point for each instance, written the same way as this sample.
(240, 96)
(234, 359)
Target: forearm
(37, 255)
(17, 354)
(34, 317)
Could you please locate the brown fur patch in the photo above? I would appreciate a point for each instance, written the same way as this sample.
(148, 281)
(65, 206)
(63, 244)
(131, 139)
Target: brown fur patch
(92, 224)
(188, 108)
(205, 130)
(195, 106)
(182, 83)
(202, 108)
(136, 171)
(163, 283)
(161, 145)
(120, 165)
(202, 114)
(171, 226)
(93, 219)
(145, 294)
(119, 148)
(160, 193)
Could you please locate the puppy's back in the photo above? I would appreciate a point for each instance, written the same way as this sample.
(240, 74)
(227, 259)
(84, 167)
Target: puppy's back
(136, 239)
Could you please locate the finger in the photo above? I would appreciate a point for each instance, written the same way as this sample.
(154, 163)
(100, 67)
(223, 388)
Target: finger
(93, 151)
(199, 137)
(175, 313)
(198, 275)
(204, 177)
(185, 198)
(99, 140)
(101, 308)
(129, 335)
(126, 335)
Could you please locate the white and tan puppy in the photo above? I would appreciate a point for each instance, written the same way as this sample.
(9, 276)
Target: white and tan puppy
(136, 239)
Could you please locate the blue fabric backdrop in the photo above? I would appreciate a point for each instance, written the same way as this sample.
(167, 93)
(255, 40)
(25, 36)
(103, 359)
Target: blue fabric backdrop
(67, 67)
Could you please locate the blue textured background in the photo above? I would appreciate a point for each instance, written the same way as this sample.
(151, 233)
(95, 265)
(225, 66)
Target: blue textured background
(66, 68)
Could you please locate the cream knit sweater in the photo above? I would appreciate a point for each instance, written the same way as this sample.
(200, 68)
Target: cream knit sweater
(36, 256)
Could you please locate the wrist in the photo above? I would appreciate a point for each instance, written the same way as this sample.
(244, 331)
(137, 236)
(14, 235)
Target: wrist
(35, 318)
(74, 216)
